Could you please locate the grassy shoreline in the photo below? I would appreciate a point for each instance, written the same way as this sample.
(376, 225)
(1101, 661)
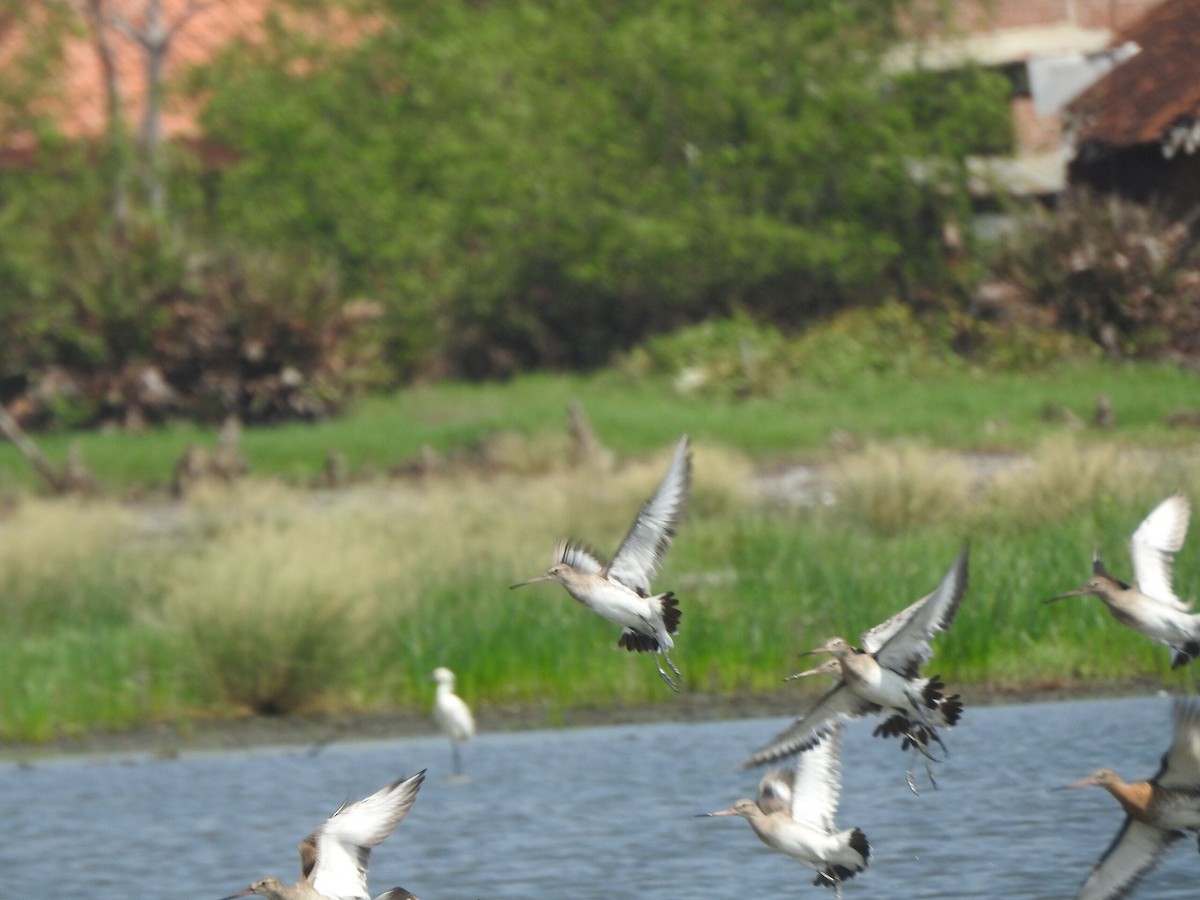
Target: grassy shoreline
(315, 732)
(273, 598)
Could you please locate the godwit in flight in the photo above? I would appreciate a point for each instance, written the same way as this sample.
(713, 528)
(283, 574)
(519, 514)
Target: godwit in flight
(795, 811)
(620, 590)
(333, 859)
(883, 676)
(451, 713)
(1151, 606)
(1157, 811)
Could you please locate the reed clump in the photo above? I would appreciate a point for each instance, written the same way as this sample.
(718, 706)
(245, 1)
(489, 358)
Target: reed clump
(276, 612)
(893, 488)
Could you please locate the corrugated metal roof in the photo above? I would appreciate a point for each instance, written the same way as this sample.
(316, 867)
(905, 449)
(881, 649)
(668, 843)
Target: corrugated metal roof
(1141, 100)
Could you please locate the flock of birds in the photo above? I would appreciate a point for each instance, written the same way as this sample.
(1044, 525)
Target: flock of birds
(796, 804)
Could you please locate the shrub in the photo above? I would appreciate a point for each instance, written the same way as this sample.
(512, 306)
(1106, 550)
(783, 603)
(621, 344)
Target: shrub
(1121, 274)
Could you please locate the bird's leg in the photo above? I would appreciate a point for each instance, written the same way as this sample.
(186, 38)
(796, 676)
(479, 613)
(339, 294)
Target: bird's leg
(662, 673)
(667, 657)
(457, 759)
(912, 781)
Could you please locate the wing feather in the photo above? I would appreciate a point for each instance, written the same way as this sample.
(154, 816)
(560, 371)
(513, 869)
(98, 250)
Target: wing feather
(1132, 854)
(1181, 763)
(838, 704)
(637, 559)
(1153, 545)
(343, 843)
(902, 642)
(818, 782)
(578, 556)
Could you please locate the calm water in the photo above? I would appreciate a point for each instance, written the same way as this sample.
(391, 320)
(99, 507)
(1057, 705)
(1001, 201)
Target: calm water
(596, 812)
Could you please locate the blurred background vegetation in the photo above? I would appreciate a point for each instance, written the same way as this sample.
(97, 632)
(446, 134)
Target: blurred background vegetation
(476, 190)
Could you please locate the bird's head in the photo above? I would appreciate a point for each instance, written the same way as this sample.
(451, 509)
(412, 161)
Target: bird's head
(746, 808)
(839, 647)
(442, 675)
(269, 887)
(1104, 778)
(559, 572)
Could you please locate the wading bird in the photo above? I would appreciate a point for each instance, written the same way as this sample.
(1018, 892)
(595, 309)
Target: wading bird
(795, 811)
(1151, 607)
(1157, 811)
(451, 713)
(333, 859)
(883, 676)
(620, 591)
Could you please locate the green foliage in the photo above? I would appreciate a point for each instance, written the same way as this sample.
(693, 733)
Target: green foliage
(540, 183)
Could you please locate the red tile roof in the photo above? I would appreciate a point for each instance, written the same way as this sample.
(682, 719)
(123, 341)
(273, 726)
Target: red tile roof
(1143, 97)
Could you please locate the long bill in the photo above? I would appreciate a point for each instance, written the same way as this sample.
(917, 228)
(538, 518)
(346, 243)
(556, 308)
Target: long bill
(542, 577)
(831, 667)
(722, 812)
(1078, 592)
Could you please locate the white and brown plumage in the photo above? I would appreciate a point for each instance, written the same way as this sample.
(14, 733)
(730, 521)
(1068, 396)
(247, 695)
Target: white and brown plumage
(1157, 811)
(795, 812)
(1150, 605)
(883, 676)
(620, 590)
(452, 714)
(333, 859)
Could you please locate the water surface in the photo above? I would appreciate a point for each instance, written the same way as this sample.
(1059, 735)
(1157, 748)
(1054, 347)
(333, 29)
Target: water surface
(596, 812)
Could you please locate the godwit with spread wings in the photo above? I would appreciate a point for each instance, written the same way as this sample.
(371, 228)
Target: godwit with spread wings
(333, 859)
(795, 811)
(620, 590)
(1157, 811)
(1151, 607)
(882, 675)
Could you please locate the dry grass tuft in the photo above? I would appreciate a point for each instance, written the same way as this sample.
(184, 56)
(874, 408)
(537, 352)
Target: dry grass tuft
(1064, 477)
(894, 488)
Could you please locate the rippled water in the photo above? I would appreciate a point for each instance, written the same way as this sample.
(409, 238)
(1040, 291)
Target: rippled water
(596, 812)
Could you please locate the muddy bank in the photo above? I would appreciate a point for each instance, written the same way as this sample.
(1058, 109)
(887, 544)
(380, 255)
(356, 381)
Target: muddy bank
(317, 732)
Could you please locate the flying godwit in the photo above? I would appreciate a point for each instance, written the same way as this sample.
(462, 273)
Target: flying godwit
(1157, 811)
(451, 713)
(333, 859)
(883, 675)
(620, 590)
(795, 811)
(1151, 607)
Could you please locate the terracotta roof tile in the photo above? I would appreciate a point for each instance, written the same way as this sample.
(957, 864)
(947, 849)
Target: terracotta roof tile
(1139, 100)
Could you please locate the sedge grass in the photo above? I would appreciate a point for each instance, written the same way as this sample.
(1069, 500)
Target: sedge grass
(269, 598)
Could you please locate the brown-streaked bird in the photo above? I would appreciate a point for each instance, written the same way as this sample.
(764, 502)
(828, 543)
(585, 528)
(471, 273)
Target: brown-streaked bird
(883, 676)
(333, 859)
(1150, 605)
(1158, 811)
(620, 590)
(795, 811)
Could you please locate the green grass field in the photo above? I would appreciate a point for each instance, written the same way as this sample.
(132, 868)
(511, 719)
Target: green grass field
(268, 597)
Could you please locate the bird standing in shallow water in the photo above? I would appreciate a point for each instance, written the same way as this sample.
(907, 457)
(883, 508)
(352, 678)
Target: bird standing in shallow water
(333, 859)
(620, 591)
(795, 811)
(1157, 811)
(884, 675)
(452, 714)
(1151, 607)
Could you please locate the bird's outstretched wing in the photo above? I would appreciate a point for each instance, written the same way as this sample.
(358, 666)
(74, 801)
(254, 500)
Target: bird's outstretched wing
(334, 857)
(1153, 546)
(838, 704)
(818, 782)
(1132, 854)
(637, 559)
(1181, 763)
(578, 556)
(902, 642)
